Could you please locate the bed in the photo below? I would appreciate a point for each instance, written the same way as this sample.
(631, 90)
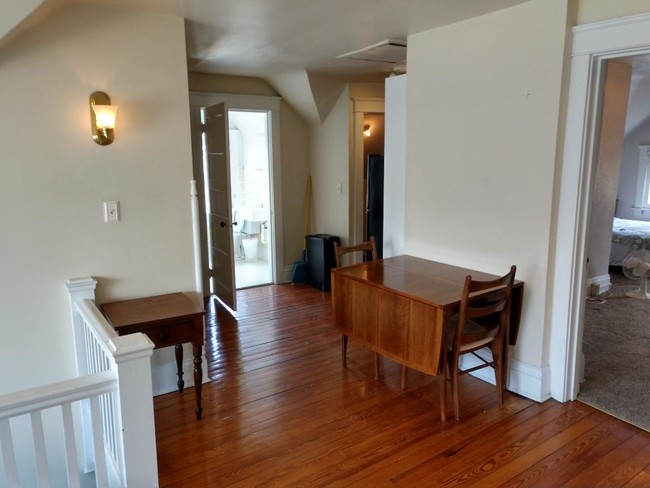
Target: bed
(628, 235)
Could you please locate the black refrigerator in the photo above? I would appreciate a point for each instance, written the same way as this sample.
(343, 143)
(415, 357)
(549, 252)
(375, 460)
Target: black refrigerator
(375, 201)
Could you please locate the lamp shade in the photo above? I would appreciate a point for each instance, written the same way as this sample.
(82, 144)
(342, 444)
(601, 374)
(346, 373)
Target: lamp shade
(105, 116)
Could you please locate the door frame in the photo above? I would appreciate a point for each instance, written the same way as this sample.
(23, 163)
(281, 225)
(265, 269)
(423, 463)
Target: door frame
(199, 100)
(592, 46)
(359, 107)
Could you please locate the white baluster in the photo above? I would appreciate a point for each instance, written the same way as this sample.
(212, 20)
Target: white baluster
(11, 473)
(72, 463)
(39, 450)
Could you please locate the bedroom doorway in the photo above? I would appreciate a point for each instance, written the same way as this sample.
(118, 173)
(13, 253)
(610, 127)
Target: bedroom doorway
(616, 349)
(591, 50)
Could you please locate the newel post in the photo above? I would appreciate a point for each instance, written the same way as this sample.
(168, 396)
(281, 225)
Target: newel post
(132, 354)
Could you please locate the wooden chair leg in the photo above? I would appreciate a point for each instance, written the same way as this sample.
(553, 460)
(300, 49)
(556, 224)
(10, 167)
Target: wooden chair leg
(403, 375)
(443, 394)
(454, 388)
(504, 361)
(497, 358)
(344, 350)
(376, 367)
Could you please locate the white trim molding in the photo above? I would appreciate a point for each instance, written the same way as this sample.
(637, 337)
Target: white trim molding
(599, 284)
(523, 378)
(592, 46)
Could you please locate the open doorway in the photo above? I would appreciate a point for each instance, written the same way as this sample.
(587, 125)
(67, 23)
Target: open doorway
(615, 343)
(591, 50)
(373, 156)
(365, 112)
(252, 221)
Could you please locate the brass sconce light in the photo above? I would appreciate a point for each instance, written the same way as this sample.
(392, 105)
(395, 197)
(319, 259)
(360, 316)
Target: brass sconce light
(102, 118)
(366, 130)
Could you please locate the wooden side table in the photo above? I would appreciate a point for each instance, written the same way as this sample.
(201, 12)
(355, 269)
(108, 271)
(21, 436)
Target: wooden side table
(168, 320)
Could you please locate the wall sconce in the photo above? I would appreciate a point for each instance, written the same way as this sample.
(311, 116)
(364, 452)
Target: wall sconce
(102, 118)
(366, 130)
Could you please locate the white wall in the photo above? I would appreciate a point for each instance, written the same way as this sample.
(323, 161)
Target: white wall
(589, 11)
(15, 12)
(394, 165)
(53, 177)
(637, 133)
(483, 102)
(329, 169)
(603, 202)
(332, 151)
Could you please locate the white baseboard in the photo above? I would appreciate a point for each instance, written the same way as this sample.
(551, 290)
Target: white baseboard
(524, 379)
(288, 274)
(164, 377)
(599, 284)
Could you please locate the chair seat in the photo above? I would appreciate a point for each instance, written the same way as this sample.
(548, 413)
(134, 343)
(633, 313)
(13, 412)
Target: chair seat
(484, 335)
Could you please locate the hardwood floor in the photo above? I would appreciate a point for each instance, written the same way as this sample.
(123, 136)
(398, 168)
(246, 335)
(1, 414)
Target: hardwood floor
(280, 411)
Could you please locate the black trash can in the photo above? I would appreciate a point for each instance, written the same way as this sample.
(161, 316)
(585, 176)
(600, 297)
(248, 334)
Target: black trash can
(320, 259)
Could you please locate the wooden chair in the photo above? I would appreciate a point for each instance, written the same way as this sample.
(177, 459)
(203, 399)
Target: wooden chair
(368, 246)
(365, 247)
(483, 321)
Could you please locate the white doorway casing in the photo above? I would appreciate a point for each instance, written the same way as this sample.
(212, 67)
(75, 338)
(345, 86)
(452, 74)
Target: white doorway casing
(593, 45)
(359, 107)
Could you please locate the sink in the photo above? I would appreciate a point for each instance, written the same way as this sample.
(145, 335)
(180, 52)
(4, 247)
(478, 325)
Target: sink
(253, 214)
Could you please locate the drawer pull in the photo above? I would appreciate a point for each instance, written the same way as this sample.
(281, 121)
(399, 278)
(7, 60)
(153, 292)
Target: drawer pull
(163, 335)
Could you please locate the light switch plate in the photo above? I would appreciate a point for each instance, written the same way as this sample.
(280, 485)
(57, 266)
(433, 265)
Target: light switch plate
(112, 211)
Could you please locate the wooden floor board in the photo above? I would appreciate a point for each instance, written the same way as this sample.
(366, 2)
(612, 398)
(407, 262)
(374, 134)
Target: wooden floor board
(504, 444)
(614, 468)
(281, 411)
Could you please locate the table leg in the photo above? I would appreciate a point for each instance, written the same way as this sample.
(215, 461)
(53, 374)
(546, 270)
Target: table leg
(179, 366)
(198, 377)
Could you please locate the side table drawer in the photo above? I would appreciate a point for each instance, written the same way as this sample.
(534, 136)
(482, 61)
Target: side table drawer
(170, 335)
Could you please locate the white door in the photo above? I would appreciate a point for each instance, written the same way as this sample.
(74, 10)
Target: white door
(216, 171)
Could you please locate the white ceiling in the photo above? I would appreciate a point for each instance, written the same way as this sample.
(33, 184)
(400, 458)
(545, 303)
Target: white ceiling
(264, 38)
(292, 44)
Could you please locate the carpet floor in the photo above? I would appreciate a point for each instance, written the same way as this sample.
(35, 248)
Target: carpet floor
(616, 345)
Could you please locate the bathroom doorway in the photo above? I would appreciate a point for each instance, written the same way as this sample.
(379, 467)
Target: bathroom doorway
(258, 201)
(250, 189)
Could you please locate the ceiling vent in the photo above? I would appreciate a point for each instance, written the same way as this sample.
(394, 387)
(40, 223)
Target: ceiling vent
(389, 51)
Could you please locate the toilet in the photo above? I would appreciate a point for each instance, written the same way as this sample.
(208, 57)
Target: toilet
(237, 236)
(245, 234)
(249, 245)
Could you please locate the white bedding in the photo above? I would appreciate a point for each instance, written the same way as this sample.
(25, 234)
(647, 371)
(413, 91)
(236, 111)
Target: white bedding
(628, 235)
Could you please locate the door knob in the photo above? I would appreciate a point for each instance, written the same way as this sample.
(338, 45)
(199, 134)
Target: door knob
(222, 224)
